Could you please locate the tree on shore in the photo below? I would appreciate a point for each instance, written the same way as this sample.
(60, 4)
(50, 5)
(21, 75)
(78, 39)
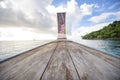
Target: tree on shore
(112, 31)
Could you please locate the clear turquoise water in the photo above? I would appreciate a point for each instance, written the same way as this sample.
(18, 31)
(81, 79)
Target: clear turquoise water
(11, 48)
(108, 46)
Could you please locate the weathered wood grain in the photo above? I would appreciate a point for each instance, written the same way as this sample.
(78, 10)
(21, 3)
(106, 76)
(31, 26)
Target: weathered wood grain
(92, 67)
(106, 57)
(12, 61)
(61, 60)
(30, 68)
(60, 66)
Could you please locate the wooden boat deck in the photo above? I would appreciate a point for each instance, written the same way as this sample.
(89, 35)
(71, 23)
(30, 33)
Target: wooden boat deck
(61, 60)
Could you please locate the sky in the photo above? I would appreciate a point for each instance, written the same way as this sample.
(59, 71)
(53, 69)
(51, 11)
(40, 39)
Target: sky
(37, 19)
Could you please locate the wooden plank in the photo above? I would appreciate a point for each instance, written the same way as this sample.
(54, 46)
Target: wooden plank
(106, 57)
(92, 67)
(31, 67)
(12, 61)
(69, 61)
(60, 66)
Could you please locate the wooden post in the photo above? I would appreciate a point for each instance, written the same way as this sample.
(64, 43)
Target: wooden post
(61, 25)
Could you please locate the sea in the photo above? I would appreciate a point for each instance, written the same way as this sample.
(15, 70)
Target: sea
(111, 47)
(9, 49)
(12, 48)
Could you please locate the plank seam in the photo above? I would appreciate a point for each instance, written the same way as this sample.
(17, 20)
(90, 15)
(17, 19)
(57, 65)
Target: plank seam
(73, 62)
(25, 70)
(48, 62)
(104, 55)
(24, 52)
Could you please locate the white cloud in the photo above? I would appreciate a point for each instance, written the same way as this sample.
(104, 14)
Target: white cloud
(100, 18)
(86, 9)
(117, 15)
(114, 5)
(104, 16)
(81, 31)
(38, 17)
(23, 34)
(41, 15)
(2, 5)
(26, 13)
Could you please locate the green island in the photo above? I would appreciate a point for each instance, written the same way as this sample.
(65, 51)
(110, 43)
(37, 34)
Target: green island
(112, 31)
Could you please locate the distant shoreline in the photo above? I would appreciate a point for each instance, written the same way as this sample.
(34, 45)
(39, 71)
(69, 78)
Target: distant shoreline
(112, 31)
(104, 39)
